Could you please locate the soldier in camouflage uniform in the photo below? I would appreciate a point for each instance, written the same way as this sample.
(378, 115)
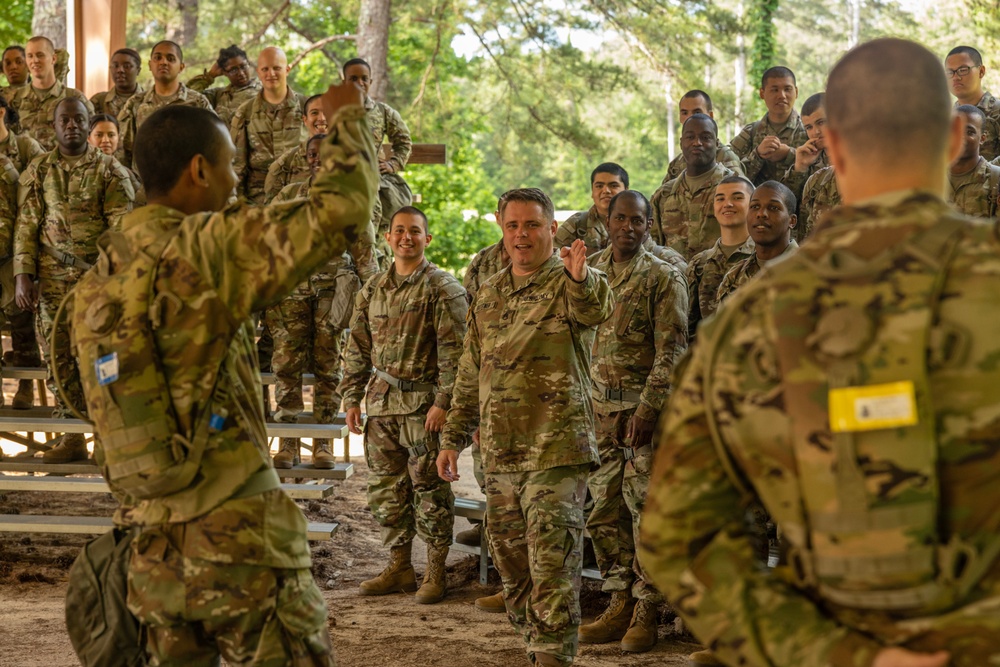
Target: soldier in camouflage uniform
(767, 146)
(973, 183)
(36, 103)
(965, 70)
(233, 540)
(810, 157)
(771, 221)
(292, 166)
(832, 391)
(524, 379)
(607, 180)
(707, 268)
(125, 67)
(67, 198)
(683, 209)
(166, 62)
(15, 70)
(819, 195)
(408, 323)
(698, 101)
(104, 135)
(634, 355)
(243, 85)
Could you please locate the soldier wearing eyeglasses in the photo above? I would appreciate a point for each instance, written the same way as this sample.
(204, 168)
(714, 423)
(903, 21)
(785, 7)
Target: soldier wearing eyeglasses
(243, 85)
(965, 70)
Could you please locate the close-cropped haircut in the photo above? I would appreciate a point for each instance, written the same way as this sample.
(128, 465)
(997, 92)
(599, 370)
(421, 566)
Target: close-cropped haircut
(635, 194)
(702, 117)
(813, 104)
(977, 57)
(177, 47)
(736, 178)
(412, 210)
(777, 72)
(356, 61)
(12, 117)
(45, 40)
(228, 53)
(972, 111)
(528, 196)
(784, 194)
(170, 138)
(906, 118)
(13, 47)
(610, 168)
(699, 93)
(310, 100)
(131, 53)
(103, 118)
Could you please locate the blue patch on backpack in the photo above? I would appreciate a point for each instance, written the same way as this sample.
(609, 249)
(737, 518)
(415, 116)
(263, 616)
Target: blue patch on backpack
(106, 369)
(217, 422)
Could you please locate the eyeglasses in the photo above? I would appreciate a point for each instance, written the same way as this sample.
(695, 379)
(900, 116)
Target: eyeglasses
(960, 72)
(238, 68)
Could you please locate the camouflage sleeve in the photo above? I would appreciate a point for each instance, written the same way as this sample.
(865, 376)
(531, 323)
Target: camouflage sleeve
(742, 145)
(97, 101)
(8, 205)
(990, 148)
(805, 222)
(358, 352)
(119, 195)
(126, 122)
(728, 284)
(590, 302)
(241, 162)
(693, 275)
(463, 417)
(449, 324)
(567, 231)
(30, 209)
(796, 181)
(28, 148)
(470, 281)
(670, 332)
(61, 66)
(695, 546)
(274, 181)
(656, 231)
(399, 137)
(362, 251)
(203, 84)
(730, 159)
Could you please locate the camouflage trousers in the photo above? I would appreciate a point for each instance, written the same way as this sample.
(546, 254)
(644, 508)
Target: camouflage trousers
(618, 488)
(192, 610)
(535, 529)
(405, 494)
(23, 341)
(50, 295)
(304, 338)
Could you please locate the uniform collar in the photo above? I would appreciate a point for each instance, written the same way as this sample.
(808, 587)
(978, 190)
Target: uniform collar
(506, 282)
(90, 155)
(393, 281)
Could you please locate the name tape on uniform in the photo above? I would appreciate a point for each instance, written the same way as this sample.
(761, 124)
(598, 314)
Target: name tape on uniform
(873, 407)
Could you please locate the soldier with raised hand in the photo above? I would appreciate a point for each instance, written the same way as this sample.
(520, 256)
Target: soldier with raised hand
(125, 67)
(767, 146)
(811, 156)
(965, 71)
(407, 327)
(243, 85)
(68, 197)
(606, 180)
(527, 358)
(166, 62)
(292, 166)
(973, 183)
(36, 102)
(683, 209)
(707, 268)
(850, 389)
(698, 101)
(635, 352)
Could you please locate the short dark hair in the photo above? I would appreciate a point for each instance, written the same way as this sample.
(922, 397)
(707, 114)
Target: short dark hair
(14, 47)
(315, 137)
(13, 117)
(813, 104)
(69, 100)
(103, 118)
(231, 51)
(702, 117)
(736, 178)
(310, 100)
(610, 168)
(698, 93)
(180, 51)
(170, 138)
(971, 110)
(356, 61)
(528, 196)
(778, 72)
(131, 53)
(635, 194)
(412, 210)
(784, 193)
(977, 57)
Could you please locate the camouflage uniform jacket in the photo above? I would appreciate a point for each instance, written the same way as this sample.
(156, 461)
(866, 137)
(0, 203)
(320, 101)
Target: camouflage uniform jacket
(385, 122)
(21, 149)
(16, 152)
(225, 99)
(796, 180)
(637, 348)
(290, 167)
(487, 262)
(704, 275)
(589, 226)
(10, 92)
(741, 272)
(249, 258)
(990, 106)
(685, 220)
(524, 377)
(975, 194)
(140, 107)
(819, 195)
(756, 168)
(37, 108)
(724, 155)
(261, 132)
(410, 327)
(67, 207)
(111, 102)
(694, 542)
(668, 255)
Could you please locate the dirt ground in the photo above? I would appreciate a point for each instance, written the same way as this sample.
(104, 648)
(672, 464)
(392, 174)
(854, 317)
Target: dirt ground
(366, 631)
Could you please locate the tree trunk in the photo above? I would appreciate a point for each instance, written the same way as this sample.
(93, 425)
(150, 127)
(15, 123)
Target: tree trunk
(49, 20)
(373, 43)
(187, 32)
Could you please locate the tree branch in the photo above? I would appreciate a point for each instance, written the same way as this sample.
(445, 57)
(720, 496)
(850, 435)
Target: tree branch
(274, 17)
(429, 69)
(319, 45)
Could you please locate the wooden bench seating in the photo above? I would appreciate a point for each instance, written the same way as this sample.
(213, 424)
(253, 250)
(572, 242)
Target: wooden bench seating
(94, 525)
(312, 491)
(340, 471)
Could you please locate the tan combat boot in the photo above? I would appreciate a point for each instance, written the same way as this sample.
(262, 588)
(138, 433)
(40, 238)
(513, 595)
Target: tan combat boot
(435, 581)
(703, 658)
(397, 577)
(492, 604)
(548, 660)
(25, 396)
(613, 623)
(288, 455)
(470, 537)
(323, 454)
(641, 635)
(71, 447)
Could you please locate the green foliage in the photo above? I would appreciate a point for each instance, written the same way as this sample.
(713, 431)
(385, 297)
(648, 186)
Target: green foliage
(15, 22)
(763, 54)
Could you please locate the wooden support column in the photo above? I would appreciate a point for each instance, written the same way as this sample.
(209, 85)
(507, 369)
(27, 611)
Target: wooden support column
(98, 31)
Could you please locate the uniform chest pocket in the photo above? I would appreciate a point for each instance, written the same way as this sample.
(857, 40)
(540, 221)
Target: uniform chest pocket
(632, 318)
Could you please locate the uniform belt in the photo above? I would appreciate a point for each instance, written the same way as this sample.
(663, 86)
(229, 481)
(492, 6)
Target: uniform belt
(631, 452)
(616, 394)
(404, 385)
(66, 258)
